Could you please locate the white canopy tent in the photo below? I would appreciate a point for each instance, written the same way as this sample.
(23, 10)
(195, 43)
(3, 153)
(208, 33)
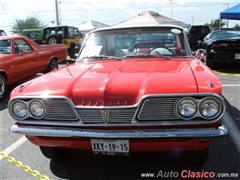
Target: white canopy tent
(90, 25)
(149, 17)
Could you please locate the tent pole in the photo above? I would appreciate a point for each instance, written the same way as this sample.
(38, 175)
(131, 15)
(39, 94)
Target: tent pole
(220, 22)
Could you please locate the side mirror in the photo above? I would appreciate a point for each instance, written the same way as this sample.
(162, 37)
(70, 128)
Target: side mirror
(201, 55)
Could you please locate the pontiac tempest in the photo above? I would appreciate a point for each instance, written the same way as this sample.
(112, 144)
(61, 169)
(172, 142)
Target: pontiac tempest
(132, 89)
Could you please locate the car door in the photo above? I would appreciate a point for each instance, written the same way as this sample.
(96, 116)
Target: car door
(25, 58)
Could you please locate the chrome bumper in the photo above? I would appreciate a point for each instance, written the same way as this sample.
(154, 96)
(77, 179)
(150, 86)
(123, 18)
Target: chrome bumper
(123, 134)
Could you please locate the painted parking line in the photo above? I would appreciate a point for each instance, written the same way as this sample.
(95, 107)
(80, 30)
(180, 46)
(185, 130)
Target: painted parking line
(14, 146)
(232, 129)
(230, 85)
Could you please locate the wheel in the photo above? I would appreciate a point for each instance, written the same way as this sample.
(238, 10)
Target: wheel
(54, 152)
(3, 86)
(159, 50)
(196, 157)
(52, 65)
(71, 50)
(53, 39)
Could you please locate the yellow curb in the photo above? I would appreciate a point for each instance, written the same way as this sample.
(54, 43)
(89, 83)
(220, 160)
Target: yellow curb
(71, 59)
(227, 74)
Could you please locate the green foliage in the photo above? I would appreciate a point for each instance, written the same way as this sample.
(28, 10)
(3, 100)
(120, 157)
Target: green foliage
(215, 23)
(31, 22)
(236, 27)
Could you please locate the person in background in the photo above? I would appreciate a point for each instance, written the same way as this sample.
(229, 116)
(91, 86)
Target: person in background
(2, 33)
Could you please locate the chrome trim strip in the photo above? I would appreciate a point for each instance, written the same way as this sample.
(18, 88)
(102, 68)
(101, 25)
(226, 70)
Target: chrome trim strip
(122, 134)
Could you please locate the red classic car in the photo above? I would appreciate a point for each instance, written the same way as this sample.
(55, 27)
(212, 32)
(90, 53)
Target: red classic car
(21, 58)
(132, 89)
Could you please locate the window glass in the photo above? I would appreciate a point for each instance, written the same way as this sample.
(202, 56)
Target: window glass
(5, 46)
(133, 42)
(22, 46)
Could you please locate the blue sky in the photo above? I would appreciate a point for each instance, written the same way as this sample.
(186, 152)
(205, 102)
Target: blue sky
(73, 12)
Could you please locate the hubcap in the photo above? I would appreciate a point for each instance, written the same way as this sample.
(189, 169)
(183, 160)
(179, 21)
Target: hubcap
(2, 87)
(52, 41)
(54, 66)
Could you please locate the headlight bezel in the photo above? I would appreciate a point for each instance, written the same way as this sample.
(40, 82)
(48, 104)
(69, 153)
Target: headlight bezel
(199, 112)
(13, 111)
(32, 113)
(210, 99)
(189, 99)
(27, 105)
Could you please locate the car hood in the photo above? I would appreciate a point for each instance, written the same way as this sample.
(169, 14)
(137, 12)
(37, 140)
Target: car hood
(119, 82)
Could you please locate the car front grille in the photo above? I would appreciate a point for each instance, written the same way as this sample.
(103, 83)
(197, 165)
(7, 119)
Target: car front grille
(158, 109)
(106, 115)
(60, 109)
(152, 109)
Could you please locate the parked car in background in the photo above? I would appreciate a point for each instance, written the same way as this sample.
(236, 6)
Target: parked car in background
(196, 33)
(77, 49)
(2, 33)
(222, 47)
(67, 35)
(21, 58)
(34, 34)
(132, 89)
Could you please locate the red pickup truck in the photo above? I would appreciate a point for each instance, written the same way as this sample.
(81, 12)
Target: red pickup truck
(21, 58)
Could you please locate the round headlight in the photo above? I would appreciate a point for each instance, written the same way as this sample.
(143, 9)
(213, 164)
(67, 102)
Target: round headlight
(37, 109)
(19, 109)
(210, 108)
(186, 108)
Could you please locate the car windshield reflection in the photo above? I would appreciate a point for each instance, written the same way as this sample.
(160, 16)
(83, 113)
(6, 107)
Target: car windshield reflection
(132, 42)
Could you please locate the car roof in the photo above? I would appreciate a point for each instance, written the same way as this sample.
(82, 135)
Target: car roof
(136, 26)
(32, 29)
(59, 27)
(13, 37)
(225, 31)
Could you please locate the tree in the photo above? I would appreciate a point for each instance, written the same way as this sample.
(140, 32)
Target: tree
(215, 23)
(236, 27)
(31, 22)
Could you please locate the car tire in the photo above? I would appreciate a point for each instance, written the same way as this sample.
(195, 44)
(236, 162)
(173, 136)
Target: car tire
(196, 157)
(3, 86)
(71, 50)
(53, 39)
(54, 152)
(53, 64)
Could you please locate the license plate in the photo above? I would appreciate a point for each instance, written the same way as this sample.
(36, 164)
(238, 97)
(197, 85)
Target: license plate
(110, 146)
(237, 56)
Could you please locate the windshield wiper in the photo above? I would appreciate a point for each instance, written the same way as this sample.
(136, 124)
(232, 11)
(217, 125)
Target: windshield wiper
(147, 55)
(101, 57)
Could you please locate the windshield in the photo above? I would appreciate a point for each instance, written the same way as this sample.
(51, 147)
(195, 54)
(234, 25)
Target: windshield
(130, 42)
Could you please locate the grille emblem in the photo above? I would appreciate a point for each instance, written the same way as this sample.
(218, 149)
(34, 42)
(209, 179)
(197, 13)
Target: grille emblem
(104, 113)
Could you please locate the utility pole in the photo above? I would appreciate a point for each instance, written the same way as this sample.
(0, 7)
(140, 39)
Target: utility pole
(227, 8)
(171, 8)
(60, 13)
(57, 18)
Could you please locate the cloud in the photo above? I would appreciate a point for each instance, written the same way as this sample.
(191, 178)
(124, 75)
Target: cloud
(73, 12)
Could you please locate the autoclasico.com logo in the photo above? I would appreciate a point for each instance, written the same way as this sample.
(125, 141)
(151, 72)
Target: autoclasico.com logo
(187, 174)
